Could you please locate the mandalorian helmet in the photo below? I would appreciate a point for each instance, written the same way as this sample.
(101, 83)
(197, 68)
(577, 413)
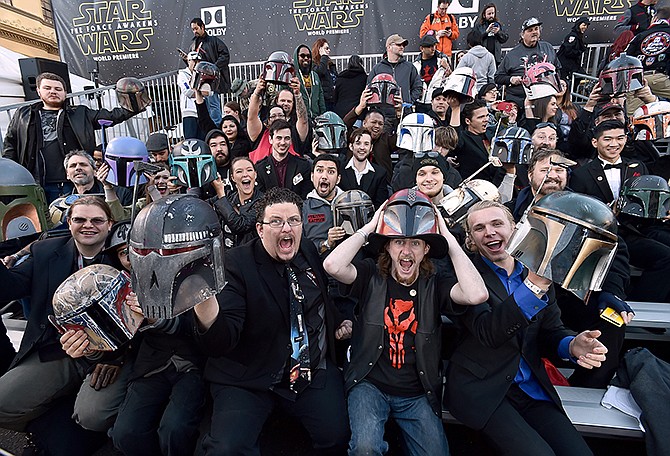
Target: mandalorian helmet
(416, 133)
(279, 68)
(462, 82)
(132, 94)
(541, 80)
(192, 163)
(513, 145)
(652, 121)
(352, 210)
(623, 74)
(120, 154)
(204, 73)
(384, 89)
(568, 238)
(644, 196)
(23, 207)
(331, 131)
(93, 299)
(455, 205)
(409, 213)
(176, 251)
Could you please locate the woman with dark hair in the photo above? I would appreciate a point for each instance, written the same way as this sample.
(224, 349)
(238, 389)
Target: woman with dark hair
(240, 146)
(326, 70)
(568, 111)
(572, 49)
(493, 35)
(236, 210)
(349, 86)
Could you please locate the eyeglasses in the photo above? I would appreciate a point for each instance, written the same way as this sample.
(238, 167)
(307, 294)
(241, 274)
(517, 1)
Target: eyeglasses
(547, 124)
(431, 154)
(402, 45)
(278, 223)
(97, 221)
(304, 56)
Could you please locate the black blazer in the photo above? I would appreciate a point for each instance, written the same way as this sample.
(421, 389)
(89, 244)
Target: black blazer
(496, 334)
(374, 184)
(471, 153)
(249, 342)
(50, 263)
(591, 180)
(297, 175)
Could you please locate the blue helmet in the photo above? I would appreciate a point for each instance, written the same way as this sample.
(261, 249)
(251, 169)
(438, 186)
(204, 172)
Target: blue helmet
(193, 164)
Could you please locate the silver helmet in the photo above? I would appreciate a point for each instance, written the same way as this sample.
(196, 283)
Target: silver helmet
(455, 205)
(568, 238)
(176, 253)
(352, 210)
(416, 132)
(132, 94)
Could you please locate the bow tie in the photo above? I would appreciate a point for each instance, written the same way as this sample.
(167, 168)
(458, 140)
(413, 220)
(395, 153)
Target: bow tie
(610, 166)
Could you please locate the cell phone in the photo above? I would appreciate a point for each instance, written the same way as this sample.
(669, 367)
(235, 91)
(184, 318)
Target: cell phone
(612, 316)
(505, 106)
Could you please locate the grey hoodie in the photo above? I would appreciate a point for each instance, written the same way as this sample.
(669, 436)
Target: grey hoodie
(482, 62)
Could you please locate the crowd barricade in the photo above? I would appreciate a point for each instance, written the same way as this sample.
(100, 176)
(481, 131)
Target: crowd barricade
(165, 116)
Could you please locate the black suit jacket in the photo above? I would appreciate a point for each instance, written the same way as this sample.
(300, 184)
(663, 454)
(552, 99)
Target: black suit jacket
(591, 179)
(50, 263)
(471, 154)
(496, 335)
(249, 342)
(374, 184)
(297, 175)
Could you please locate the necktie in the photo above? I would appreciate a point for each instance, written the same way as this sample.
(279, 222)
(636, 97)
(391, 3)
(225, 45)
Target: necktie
(610, 166)
(300, 374)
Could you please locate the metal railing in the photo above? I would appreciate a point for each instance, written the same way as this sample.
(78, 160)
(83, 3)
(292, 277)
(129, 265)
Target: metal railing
(165, 115)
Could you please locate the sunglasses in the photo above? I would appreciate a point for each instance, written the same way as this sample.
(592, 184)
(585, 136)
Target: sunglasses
(97, 221)
(304, 56)
(547, 124)
(431, 154)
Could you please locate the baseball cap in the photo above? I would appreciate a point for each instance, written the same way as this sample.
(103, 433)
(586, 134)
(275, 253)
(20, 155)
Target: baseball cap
(428, 41)
(530, 22)
(600, 109)
(486, 88)
(396, 39)
(156, 142)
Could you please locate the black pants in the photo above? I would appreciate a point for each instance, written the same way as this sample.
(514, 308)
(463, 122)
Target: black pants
(239, 415)
(525, 426)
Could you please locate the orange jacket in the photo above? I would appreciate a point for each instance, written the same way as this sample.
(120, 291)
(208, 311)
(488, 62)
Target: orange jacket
(441, 23)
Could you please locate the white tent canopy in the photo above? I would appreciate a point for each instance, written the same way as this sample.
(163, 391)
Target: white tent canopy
(11, 89)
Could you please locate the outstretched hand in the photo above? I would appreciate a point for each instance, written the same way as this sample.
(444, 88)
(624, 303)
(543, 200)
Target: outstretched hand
(588, 350)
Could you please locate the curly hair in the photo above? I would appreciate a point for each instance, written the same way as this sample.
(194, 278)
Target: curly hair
(276, 195)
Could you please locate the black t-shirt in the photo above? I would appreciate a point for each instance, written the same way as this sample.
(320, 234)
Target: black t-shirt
(428, 68)
(52, 154)
(395, 372)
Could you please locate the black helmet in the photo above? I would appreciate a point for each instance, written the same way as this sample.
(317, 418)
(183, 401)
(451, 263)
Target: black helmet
(645, 196)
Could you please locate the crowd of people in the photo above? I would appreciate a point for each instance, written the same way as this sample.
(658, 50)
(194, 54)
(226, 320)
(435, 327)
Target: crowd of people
(340, 329)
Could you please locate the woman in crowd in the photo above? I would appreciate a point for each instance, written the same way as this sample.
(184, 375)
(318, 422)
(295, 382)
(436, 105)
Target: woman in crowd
(240, 146)
(349, 86)
(568, 111)
(236, 210)
(326, 70)
(573, 47)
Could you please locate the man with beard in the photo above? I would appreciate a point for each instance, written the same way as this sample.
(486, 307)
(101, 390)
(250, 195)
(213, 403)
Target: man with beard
(41, 134)
(212, 49)
(551, 167)
(395, 350)
(496, 379)
(270, 336)
(317, 212)
(158, 148)
(310, 84)
(259, 133)
(359, 173)
(545, 137)
(280, 168)
(529, 50)
(383, 142)
(80, 170)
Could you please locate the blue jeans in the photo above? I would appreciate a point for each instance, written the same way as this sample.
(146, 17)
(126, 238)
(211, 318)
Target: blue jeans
(57, 189)
(369, 409)
(214, 107)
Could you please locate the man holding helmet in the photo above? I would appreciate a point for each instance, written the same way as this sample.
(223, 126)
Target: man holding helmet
(400, 302)
(40, 135)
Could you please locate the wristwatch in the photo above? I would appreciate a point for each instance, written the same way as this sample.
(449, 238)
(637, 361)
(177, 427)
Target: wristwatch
(324, 246)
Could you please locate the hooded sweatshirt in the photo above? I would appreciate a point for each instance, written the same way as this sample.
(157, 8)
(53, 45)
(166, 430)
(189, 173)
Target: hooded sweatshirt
(310, 85)
(482, 62)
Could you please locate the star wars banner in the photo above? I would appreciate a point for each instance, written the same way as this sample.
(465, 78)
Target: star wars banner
(141, 37)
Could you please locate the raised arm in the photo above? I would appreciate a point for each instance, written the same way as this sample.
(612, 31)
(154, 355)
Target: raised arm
(254, 124)
(302, 124)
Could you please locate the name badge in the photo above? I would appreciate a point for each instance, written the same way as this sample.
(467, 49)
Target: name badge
(297, 179)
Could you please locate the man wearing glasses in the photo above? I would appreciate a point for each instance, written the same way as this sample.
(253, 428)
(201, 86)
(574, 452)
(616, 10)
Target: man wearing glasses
(42, 374)
(270, 335)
